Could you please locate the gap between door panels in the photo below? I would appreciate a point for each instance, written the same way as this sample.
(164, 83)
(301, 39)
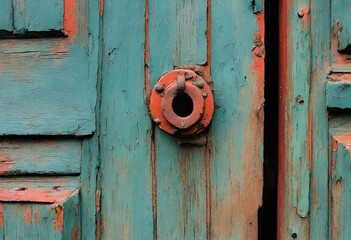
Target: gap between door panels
(267, 215)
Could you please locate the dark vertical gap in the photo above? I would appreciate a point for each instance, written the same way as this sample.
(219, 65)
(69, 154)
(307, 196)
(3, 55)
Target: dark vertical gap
(268, 212)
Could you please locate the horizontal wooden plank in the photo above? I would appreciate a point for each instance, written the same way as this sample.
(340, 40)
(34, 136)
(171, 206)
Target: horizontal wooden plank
(339, 91)
(41, 221)
(62, 182)
(40, 156)
(44, 91)
(6, 16)
(38, 195)
(33, 15)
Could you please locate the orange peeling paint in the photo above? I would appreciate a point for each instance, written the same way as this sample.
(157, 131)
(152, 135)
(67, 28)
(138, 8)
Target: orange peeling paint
(28, 215)
(58, 221)
(70, 19)
(6, 163)
(1, 215)
(101, 6)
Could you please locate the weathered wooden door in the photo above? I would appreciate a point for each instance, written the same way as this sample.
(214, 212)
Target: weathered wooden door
(80, 156)
(315, 130)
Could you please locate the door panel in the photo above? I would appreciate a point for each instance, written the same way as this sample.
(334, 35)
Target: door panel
(322, 117)
(151, 186)
(47, 86)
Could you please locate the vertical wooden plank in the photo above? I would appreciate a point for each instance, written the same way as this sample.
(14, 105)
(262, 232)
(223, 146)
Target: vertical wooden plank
(6, 16)
(340, 185)
(32, 15)
(320, 58)
(90, 195)
(295, 128)
(237, 65)
(125, 125)
(1, 221)
(177, 36)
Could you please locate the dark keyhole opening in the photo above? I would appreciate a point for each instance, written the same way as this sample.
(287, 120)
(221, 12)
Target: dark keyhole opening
(182, 105)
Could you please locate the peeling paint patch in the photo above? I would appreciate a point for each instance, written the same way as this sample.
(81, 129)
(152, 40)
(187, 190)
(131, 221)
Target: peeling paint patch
(58, 221)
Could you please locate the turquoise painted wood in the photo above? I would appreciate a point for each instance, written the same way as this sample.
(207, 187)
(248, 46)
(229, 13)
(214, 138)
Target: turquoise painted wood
(6, 16)
(339, 94)
(31, 15)
(324, 122)
(40, 156)
(341, 17)
(183, 192)
(47, 87)
(57, 220)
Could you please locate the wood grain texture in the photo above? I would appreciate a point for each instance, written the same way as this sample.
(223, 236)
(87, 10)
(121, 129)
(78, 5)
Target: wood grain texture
(339, 92)
(125, 129)
(177, 36)
(340, 19)
(60, 220)
(6, 16)
(18, 182)
(31, 15)
(47, 88)
(339, 182)
(236, 159)
(294, 182)
(40, 156)
(320, 59)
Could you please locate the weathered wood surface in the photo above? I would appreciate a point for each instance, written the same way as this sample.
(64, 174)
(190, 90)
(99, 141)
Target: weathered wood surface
(295, 120)
(59, 220)
(340, 182)
(47, 87)
(181, 191)
(6, 19)
(339, 91)
(126, 182)
(340, 19)
(31, 15)
(40, 156)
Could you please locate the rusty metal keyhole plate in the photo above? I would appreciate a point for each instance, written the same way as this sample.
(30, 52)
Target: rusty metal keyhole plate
(182, 103)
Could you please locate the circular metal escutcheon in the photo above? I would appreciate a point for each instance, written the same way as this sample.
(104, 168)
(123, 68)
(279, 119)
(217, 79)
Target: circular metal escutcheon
(182, 103)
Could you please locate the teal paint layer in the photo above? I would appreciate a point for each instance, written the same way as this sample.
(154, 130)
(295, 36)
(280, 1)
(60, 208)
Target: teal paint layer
(320, 57)
(236, 173)
(47, 87)
(295, 216)
(125, 127)
(340, 20)
(177, 36)
(340, 157)
(62, 182)
(41, 221)
(31, 15)
(6, 16)
(40, 157)
(339, 94)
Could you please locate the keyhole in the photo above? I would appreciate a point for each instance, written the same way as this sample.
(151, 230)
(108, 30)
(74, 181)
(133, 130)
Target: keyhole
(182, 105)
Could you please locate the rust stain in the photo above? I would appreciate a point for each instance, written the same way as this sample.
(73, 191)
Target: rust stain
(154, 180)
(27, 215)
(58, 221)
(37, 216)
(70, 19)
(6, 162)
(283, 13)
(97, 201)
(1, 215)
(101, 7)
(76, 233)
